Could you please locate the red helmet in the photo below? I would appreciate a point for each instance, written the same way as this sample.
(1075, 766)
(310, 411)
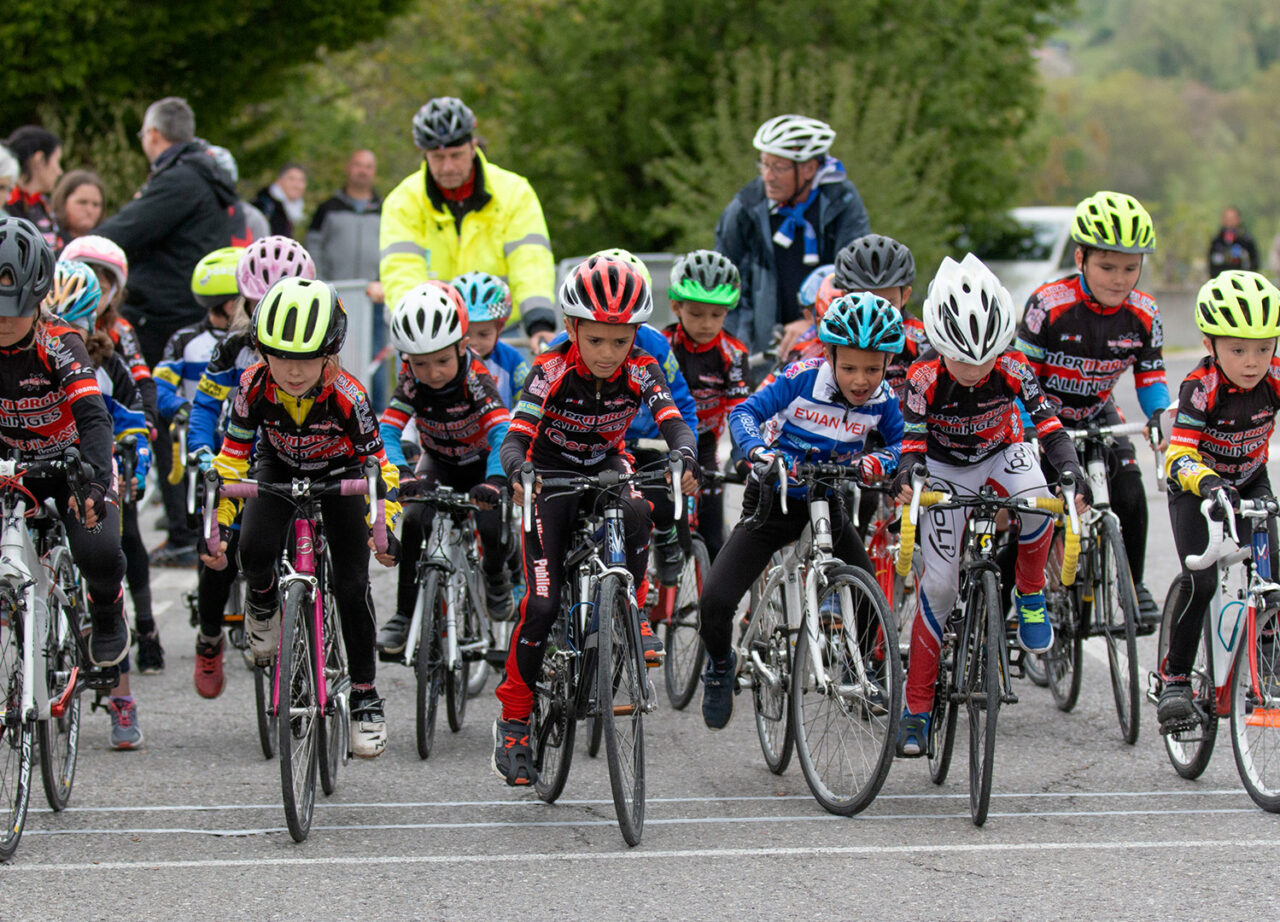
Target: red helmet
(607, 290)
(827, 292)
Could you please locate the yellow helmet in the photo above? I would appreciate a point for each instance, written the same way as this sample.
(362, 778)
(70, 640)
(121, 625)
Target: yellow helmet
(299, 319)
(1239, 303)
(214, 279)
(1114, 221)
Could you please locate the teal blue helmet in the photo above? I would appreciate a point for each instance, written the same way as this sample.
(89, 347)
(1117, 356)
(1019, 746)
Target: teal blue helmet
(486, 296)
(75, 294)
(863, 321)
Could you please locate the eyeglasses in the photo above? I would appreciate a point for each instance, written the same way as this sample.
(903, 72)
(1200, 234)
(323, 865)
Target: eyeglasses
(142, 132)
(774, 169)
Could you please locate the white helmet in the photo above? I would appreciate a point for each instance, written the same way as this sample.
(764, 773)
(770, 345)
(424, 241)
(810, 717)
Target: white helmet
(428, 318)
(795, 137)
(968, 314)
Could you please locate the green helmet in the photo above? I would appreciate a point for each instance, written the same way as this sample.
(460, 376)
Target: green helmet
(1114, 221)
(628, 257)
(707, 277)
(299, 319)
(1239, 303)
(214, 279)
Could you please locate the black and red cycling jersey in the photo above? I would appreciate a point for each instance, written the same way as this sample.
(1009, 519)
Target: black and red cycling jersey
(1221, 429)
(50, 399)
(1079, 349)
(716, 373)
(125, 339)
(915, 342)
(946, 421)
(568, 419)
(34, 207)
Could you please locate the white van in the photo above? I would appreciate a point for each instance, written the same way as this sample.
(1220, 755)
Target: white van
(1024, 262)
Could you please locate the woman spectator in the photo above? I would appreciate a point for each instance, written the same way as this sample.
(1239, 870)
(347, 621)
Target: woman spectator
(39, 155)
(282, 201)
(8, 176)
(77, 204)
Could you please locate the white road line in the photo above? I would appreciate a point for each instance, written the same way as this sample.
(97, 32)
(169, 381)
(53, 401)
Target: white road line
(640, 854)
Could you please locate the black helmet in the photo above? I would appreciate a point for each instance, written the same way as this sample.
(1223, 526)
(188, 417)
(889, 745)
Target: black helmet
(873, 262)
(443, 122)
(27, 258)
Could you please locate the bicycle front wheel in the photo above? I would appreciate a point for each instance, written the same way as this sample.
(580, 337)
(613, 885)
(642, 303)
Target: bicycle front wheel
(297, 723)
(1116, 603)
(845, 693)
(262, 703)
(1255, 712)
(620, 694)
(1065, 659)
(553, 723)
(685, 652)
(60, 735)
(983, 688)
(17, 736)
(428, 663)
(772, 644)
(1189, 751)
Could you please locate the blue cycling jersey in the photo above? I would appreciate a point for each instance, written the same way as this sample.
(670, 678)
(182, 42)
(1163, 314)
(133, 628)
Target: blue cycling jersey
(509, 369)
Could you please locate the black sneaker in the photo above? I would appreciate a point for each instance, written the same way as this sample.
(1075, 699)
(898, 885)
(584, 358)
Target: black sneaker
(179, 556)
(512, 755)
(718, 686)
(1148, 610)
(108, 639)
(1175, 708)
(670, 560)
(368, 724)
(150, 654)
(654, 651)
(393, 634)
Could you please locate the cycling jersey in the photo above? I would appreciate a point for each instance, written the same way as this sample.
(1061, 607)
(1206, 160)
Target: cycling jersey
(1221, 429)
(50, 399)
(458, 424)
(715, 372)
(186, 355)
(1079, 349)
(217, 386)
(915, 343)
(568, 419)
(34, 207)
(125, 339)
(509, 369)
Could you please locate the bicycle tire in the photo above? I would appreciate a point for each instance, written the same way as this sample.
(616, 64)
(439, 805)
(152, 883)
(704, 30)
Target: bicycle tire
(773, 644)
(297, 723)
(262, 704)
(59, 737)
(983, 688)
(845, 731)
(595, 736)
(458, 679)
(334, 727)
(17, 736)
(1255, 728)
(685, 650)
(1118, 611)
(1064, 663)
(944, 714)
(553, 722)
(427, 665)
(620, 678)
(477, 626)
(1189, 751)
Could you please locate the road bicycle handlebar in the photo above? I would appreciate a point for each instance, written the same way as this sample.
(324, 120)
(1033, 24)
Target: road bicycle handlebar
(77, 472)
(604, 480)
(1217, 511)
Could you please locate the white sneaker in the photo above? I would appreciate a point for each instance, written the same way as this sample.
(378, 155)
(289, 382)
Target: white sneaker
(368, 725)
(264, 638)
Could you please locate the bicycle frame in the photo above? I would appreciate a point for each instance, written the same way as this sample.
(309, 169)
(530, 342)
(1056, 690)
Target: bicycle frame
(303, 569)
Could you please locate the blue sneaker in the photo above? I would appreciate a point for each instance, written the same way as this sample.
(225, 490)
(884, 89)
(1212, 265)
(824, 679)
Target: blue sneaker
(1035, 633)
(717, 692)
(913, 735)
(125, 732)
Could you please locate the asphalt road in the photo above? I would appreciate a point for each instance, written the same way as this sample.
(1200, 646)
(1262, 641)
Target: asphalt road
(1081, 825)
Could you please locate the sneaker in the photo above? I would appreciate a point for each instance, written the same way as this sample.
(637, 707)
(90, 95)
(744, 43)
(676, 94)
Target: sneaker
(263, 632)
(1148, 610)
(174, 556)
(1035, 633)
(125, 732)
(654, 651)
(1175, 706)
(393, 634)
(368, 724)
(497, 597)
(913, 735)
(718, 687)
(208, 675)
(669, 558)
(109, 644)
(150, 654)
(512, 757)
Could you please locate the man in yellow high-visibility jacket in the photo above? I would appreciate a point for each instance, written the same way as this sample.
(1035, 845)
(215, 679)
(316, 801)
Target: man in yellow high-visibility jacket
(460, 213)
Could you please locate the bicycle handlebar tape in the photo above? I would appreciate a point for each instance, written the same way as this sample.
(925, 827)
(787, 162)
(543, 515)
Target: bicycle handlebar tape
(1070, 557)
(906, 544)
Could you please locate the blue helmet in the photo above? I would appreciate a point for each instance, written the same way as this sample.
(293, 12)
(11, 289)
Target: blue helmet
(813, 281)
(863, 321)
(75, 293)
(486, 296)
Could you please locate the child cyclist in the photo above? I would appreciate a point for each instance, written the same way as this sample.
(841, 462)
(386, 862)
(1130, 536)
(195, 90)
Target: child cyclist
(311, 420)
(577, 402)
(1226, 415)
(49, 401)
(488, 304)
(704, 287)
(826, 406)
(962, 419)
(461, 422)
(1081, 333)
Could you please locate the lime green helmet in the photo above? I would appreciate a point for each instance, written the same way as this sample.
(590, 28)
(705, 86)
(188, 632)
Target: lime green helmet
(1239, 303)
(707, 277)
(628, 257)
(214, 280)
(1113, 221)
(299, 319)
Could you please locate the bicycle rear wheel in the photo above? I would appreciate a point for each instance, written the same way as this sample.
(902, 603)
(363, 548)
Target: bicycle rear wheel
(685, 652)
(983, 688)
(846, 724)
(620, 678)
(1117, 608)
(60, 735)
(1065, 659)
(336, 725)
(553, 722)
(476, 627)
(457, 678)
(428, 663)
(262, 704)
(770, 694)
(17, 736)
(1189, 751)
(298, 720)
(1255, 712)
(942, 722)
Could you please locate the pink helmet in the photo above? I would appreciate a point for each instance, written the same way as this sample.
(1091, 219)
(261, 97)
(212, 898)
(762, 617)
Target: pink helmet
(99, 251)
(266, 261)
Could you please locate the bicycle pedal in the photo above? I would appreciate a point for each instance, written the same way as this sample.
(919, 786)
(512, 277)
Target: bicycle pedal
(1179, 726)
(495, 657)
(102, 679)
(385, 657)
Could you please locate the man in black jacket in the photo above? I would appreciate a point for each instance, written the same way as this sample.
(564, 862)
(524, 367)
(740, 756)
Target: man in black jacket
(180, 214)
(1233, 247)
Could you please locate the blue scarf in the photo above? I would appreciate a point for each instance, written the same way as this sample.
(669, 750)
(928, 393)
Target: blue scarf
(793, 215)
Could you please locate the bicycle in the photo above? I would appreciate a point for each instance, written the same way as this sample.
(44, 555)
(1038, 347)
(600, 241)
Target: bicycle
(310, 685)
(598, 625)
(820, 656)
(449, 635)
(1102, 602)
(973, 664)
(44, 656)
(1237, 667)
(882, 548)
